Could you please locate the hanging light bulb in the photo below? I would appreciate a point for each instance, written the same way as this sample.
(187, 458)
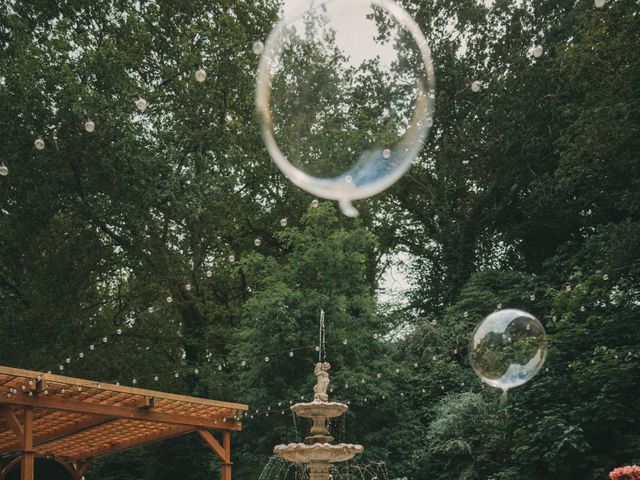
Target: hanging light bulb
(81, 355)
(291, 354)
(266, 359)
(315, 203)
(150, 309)
(105, 339)
(257, 242)
(232, 258)
(201, 75)
(209, 273)
(283, 222)
(90, 126)
(155, 378)
(345, 341)
(187, 287)
(119, 331)
(4, 171)
(92, 347)
(599, 3)
(243, 363)
(169, 299)
(39, 143)
(537, 51)
(141, 104)
(257, 47)
(196, 371)
(176, 374)
(476, 86)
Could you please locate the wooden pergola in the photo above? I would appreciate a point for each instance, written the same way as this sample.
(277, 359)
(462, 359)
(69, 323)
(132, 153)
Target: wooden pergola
(73, 421)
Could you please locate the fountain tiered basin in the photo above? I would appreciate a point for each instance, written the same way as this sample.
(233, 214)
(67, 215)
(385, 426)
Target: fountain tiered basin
(318, 453)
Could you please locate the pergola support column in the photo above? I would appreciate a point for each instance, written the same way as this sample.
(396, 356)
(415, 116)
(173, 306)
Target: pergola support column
(28, 454)
(223, 451)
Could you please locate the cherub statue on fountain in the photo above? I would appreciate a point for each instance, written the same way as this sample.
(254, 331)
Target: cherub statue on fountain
(322, 381)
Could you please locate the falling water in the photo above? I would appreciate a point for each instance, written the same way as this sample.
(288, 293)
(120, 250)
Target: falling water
(279, 469)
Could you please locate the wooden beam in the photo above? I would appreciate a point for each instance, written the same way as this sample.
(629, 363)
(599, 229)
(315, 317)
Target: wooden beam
(28, 457)
(69, 405)
(59, 379)
(14, 423)
(76, 427)
(9, 466)
(82, 468)
(142, 440)
(214, 444)
(226, 466)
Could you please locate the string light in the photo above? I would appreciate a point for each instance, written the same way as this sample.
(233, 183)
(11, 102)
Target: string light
(476, 86)
(283, 222)
(257, 242)
(141, 104)
(537, 51)
(599, 3)
(4, 171)
(39, 143)
(201, 75)
(232, 258)
(257, 47)
(169, 299)
(90, 126)
(209, 273)
(315, 203)
(187, 287)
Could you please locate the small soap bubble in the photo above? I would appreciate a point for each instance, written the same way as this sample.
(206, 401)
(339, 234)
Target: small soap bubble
(508, 348)
(386, 153)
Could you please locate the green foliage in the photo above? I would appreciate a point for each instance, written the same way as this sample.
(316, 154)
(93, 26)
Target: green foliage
(525, 196)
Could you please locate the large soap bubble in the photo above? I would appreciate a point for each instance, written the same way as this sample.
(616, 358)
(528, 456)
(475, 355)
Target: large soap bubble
(345, 94)
(508, 348)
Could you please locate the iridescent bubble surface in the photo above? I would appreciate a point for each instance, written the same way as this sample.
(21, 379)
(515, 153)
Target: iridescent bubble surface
(508, 348)
(345, 95)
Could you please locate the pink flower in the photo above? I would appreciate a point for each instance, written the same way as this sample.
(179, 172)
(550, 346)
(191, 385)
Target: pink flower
(625, 473)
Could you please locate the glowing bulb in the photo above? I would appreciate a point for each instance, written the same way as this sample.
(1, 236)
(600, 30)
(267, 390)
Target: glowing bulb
(105, 339)
(150, 309)
(317, 348)
(119, 331)
(605, 277)
(476, 86)
(68, 360)
(81, 355)
(39, 143)
(344, 342)
(599, 3)
(283, 222)
(141, 104)
(134, 381)
(232, 258)
(155, 378)
(90, 126)
(257, 47)
(176, 374)
(4, 171)
(92, 347)
(243, 363)
(187, 287)
(266, 359)
(315, 203)
(169, 299)
(201, 75)
(532, 297)
(257, 242)
(196, 371)
(209, 273)
(537, 51)
(290, 354)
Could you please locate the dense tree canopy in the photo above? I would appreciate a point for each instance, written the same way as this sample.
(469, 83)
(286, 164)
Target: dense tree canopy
(526, 195)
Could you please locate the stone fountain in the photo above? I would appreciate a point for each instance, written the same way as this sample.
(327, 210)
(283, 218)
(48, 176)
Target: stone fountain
(318, 453)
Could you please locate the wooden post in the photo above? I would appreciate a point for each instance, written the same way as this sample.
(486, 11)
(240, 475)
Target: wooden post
(28, 454)
(226, 463)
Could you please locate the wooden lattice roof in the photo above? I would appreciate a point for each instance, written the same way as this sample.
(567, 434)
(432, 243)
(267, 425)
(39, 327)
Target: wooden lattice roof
(76, 419)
